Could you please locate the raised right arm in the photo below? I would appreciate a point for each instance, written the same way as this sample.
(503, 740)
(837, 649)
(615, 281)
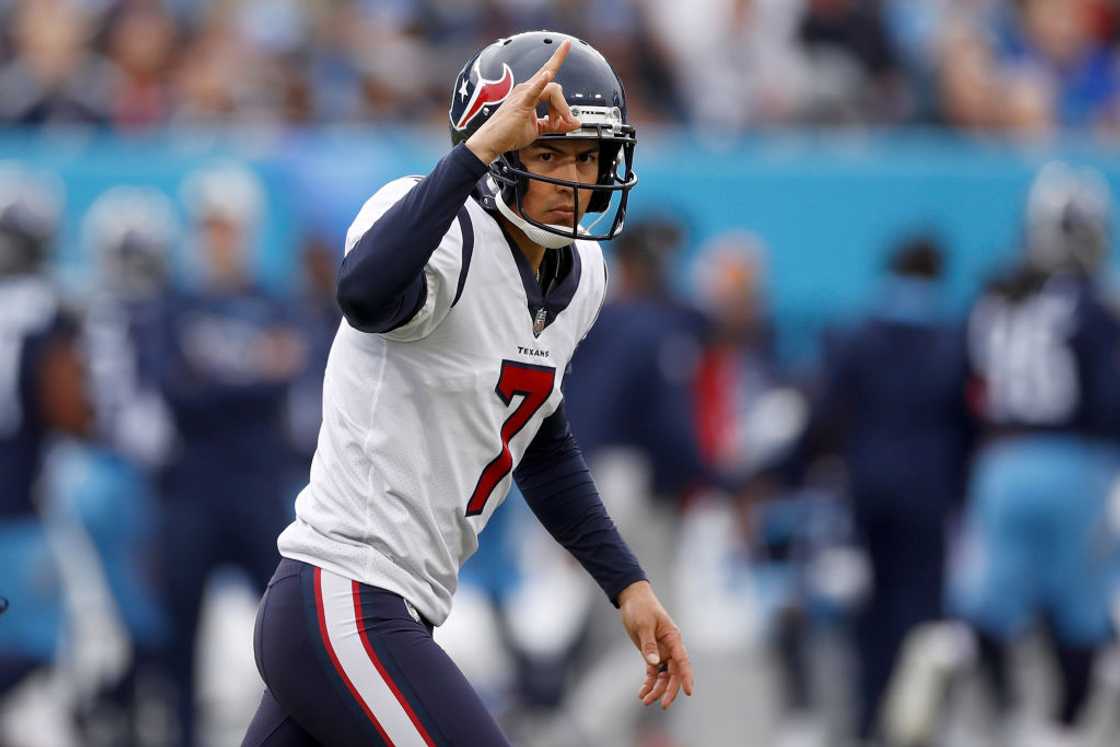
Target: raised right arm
(381, 282)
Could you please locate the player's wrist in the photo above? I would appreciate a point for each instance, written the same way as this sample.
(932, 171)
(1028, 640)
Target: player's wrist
(633, 591)
(482, 149)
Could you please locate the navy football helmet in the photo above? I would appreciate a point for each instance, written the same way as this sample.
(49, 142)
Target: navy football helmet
(596, 97)
(30, 206)
(131, 231)
(1069, 219)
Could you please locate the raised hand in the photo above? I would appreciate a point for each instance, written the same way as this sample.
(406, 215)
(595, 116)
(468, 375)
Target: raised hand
(515, 124)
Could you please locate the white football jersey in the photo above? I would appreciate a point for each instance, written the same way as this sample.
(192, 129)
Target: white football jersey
(423, 425)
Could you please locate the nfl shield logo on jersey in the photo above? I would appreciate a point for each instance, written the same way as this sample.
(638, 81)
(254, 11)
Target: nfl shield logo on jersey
(539, 321)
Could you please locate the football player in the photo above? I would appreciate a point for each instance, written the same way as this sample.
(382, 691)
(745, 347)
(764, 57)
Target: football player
(892, 401)
(465, 294)
(1045, 348)
(231, 352)
(129, 231)
(42, 391)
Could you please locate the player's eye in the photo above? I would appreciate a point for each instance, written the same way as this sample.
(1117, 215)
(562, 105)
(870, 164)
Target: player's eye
(544, 156)
(589, 157)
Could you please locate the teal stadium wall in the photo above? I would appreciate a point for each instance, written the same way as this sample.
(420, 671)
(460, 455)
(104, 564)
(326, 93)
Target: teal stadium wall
(827, 205)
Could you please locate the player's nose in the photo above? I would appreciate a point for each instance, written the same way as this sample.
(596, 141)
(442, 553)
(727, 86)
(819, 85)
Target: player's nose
(570, 172)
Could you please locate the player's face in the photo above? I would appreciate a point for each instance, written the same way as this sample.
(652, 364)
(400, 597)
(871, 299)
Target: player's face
(222, 240)
(572, 160)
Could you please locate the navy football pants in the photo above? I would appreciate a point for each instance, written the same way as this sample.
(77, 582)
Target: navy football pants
(348, 664)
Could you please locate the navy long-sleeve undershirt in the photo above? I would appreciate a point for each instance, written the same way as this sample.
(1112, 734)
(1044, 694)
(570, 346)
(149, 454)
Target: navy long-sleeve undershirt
(558, 488)
(381, 281)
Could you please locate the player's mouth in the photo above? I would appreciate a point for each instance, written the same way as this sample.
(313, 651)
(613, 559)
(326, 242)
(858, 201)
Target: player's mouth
(560, 216)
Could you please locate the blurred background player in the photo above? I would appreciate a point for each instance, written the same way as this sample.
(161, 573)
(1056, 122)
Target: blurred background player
(631, 379)
(231, 354)
(317, 316)
(891, 402)
(1045, 347)
(629, 393)
(129, 232)
(629, 396)
(737, 366)
(747, 419)
(42, 393)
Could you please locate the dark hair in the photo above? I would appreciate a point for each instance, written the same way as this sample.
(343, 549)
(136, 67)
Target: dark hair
(917, 257)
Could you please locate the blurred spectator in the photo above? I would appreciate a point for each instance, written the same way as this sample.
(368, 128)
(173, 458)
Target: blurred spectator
(232, 352)
(892, 399)
(967, 85)
(216, 75)
(737, 59)
(54, 77)
(1030, 67)
(854, 73)
(42, 393)
(141, 45)
(1019, 66)
(1043, 339)
(623, 31)
(1051, 49)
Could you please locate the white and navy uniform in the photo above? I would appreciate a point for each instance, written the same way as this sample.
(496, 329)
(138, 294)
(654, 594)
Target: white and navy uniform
(442, 387)
(1038, 543)
(1045, 354)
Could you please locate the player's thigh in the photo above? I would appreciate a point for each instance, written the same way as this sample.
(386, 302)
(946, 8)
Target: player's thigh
(427, 682)
(1081, 550)
(351, 666)
(33, 623)
(995, 584)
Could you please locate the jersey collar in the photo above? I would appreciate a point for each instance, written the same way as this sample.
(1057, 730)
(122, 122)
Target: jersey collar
(544, 308)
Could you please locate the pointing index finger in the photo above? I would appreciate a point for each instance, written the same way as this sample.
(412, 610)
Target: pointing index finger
(557, 59)
(545, 74)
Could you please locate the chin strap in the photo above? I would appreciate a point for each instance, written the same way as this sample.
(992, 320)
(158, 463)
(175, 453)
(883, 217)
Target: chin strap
(539, 236)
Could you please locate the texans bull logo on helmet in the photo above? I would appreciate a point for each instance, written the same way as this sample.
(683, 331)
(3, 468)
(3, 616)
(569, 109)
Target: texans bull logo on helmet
(592, 90)
(486, 93)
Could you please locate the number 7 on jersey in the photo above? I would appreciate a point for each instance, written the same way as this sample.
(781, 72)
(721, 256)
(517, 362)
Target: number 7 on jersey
(534, 384)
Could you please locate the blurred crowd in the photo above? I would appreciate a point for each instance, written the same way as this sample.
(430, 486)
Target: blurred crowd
(984, 66)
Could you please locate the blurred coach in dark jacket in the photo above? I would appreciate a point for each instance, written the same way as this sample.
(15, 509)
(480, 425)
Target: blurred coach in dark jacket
(892, 401)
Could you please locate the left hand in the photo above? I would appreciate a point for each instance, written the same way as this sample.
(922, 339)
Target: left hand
(659, 640)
